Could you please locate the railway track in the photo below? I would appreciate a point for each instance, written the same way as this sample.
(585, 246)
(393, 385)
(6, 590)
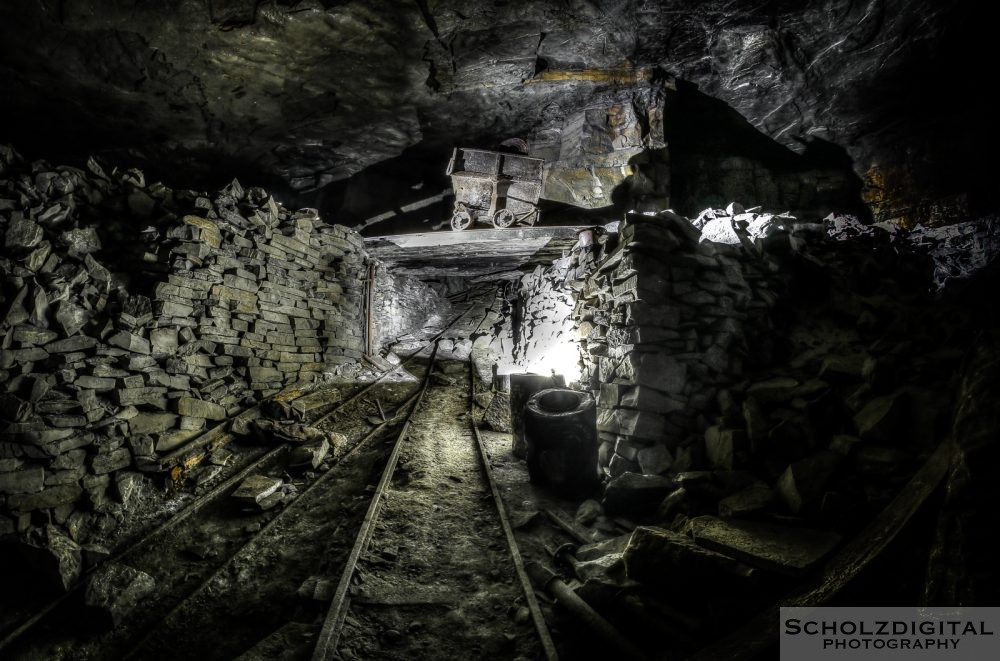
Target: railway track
(434, 571)
(203, 539)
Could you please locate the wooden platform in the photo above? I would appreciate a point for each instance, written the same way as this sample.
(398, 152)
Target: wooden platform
(472, 253)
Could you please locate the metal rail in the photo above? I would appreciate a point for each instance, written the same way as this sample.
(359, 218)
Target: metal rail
(279, 517)
(191, 508)
(386, 373)
(326, 643)
(548, 646)
(199, 503)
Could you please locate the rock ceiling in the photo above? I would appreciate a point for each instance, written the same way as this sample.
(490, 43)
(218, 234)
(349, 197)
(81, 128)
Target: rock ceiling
(309, 93)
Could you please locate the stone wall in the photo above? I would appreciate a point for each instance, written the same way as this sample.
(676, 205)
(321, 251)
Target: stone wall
(669, 320)
(230, 298)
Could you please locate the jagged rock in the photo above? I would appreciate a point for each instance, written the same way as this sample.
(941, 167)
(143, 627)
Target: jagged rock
(654, 460)
(844, 444)
(130, 342)
(309, 455)
(721, 446)
(754, 498)
(631, 492)
(773, 391)
(881, 418)
(596, 550)
(128, 485)
(116, 590)
(72, 317)
(71, 344)
(781, 549)
(45, 499)
(151, 423)
(109, 462)
(756, 422)
(677, 501)
(497, 414)
(56, 560)
(22, 234)
(673, 561)
(847, 368)
(80, 242)
(803, 482)
(14, 408)
(28, 334)
(619, 465)
(587, 512)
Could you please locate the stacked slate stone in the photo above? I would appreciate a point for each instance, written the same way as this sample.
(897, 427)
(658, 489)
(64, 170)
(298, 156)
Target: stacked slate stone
(667, 321)
(74, 364)
(271, 296)
(237, 297)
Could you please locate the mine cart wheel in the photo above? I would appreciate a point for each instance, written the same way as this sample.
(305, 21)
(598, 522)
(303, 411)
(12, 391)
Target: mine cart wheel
(503, 218)
(460, 220)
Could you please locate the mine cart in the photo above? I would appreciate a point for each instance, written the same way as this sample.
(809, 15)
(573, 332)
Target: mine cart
(494, 187)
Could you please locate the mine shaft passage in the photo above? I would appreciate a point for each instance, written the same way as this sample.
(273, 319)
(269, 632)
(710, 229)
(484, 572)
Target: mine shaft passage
(491, 330)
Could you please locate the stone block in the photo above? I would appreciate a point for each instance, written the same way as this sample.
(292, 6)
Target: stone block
(152, 423)
(664, 558)
(130, 342)
(30, 479)
(108, 462)
(632, 492)
(752, 499)
(46, 499)
(655, 459)
(199, 408)
(768, 546)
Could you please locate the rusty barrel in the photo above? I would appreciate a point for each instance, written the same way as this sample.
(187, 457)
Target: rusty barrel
(560, 428)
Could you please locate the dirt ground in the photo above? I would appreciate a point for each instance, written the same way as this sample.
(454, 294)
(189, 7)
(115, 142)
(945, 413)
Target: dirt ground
(438, 581)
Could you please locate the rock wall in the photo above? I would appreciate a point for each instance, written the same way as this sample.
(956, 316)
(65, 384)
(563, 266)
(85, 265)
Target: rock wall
(668, 320)
(231, 298)
(403, 305)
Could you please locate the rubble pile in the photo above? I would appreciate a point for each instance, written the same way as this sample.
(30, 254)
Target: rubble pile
(958, 251)
(666, 320)
(231, 298)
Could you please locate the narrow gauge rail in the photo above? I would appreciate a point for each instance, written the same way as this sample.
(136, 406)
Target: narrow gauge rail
(209, 502)
(434, 418)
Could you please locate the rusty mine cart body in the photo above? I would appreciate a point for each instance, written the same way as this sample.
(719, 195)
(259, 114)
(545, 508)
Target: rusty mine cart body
(494, 187)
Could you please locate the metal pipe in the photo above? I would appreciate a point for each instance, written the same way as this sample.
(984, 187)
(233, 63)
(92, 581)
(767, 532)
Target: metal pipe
(548, 580)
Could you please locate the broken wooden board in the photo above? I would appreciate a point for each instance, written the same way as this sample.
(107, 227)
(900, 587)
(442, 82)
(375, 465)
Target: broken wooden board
(194, 452)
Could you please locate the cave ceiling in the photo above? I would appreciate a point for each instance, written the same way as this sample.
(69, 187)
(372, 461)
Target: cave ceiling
(306, 94)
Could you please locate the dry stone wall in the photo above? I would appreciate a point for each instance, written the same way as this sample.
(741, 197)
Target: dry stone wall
(668, 320)
(229, 298)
